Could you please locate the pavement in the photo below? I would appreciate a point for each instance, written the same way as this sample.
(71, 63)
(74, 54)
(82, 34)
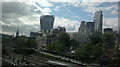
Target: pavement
(36, 61)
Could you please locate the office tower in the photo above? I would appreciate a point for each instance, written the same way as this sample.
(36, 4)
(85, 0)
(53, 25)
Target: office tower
(119, 17)
(90, 27)
(46, 22)
(82, 28)
(98, 20)
(118, 38)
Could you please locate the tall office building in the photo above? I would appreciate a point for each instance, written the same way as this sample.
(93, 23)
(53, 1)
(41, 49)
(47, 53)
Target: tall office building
(82, 28)
(90, 27)
(98, 20)
(119, 24)
(46, 22)
(119, 17)
(81, 36)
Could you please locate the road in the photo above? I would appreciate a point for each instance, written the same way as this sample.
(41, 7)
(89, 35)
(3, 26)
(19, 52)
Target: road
(75, 61)
(39, 62)
(36, 61)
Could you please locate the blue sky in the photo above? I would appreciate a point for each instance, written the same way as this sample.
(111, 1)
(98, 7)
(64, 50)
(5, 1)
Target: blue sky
(68, 13)
(83, 11)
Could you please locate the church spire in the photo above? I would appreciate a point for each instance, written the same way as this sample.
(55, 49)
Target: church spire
(17, 33)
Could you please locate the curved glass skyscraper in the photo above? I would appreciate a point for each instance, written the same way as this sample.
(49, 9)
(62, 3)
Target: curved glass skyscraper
(46, 22)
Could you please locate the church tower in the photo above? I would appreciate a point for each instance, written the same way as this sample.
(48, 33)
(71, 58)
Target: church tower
(17, 33)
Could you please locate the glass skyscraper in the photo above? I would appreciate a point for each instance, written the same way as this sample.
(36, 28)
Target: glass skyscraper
(46, 22)
(90, 27)
(98, 20)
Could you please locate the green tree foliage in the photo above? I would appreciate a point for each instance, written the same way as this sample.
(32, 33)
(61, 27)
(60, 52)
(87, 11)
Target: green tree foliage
(84, 50)
(97, 50)
(100, 45)
(95, 38)
(64, 39)
(24, 51)
(56, 47)
(4, 51)
(27, 43)
(62, 44)
(31, 43)
(115, 52)
(108, 40)
(74, 43)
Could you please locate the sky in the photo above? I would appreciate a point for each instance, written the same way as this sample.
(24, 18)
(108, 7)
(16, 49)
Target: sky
(24, 15)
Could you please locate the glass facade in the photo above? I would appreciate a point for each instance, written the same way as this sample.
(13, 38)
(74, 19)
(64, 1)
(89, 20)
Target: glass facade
(46, 22)
(98, 20)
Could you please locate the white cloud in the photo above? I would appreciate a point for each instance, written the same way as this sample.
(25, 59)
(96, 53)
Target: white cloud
(75, 17)
(114, 12)
(111, 23)
(64, 0)
(57, 8)
(100, 0)
(44, 3)
(69, 24)
(15, 0)
(46, 11)
(19, 15)
(92, 6)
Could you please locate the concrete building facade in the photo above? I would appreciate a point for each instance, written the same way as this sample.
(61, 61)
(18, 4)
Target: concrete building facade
(82, 28)
(57, 30)
(43, 39)
(81, 35)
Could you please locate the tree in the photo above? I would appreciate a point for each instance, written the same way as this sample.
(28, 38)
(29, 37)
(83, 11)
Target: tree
(97, 51)
(64, 39)
(108, 40)
(95, 38)
(62, 44)
(4, 51)
(23, 45)
(56, 47)
(84, 50)
(115, 51)
(26, 43)
(74, 43)
(31, 43)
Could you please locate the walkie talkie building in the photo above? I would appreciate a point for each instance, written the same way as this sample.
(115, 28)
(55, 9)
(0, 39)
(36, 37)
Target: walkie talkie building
(46, 22)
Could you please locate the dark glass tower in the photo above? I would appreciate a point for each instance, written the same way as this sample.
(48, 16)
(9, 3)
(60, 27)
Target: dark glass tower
(46, 22)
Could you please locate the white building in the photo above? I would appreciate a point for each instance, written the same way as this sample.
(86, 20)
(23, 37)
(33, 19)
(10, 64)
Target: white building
(81, 35)
(41, 40)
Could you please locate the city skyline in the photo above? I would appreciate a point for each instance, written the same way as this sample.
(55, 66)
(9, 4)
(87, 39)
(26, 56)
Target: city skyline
(66, 14)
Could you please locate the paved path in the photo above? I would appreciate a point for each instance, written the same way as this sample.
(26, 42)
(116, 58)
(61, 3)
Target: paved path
(75, 61)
